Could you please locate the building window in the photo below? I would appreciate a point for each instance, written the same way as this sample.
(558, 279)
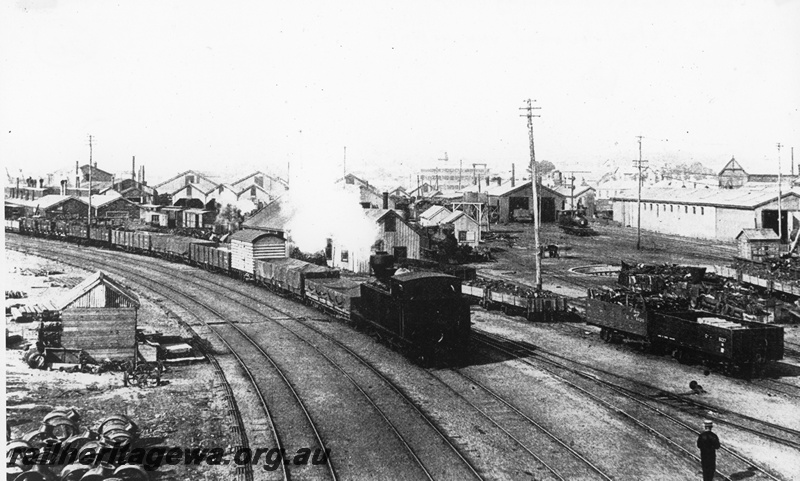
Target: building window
(350, 181)
(345, 256)
(390, 224)
(702, 211)
(685, 209)
(400, 252)
(189, 190)
(253, 191)
(154, 219)
(694, 210)
(670, 208)
(462, 236)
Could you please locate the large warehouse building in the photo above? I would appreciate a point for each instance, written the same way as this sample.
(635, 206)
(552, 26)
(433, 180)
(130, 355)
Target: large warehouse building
(709, 213)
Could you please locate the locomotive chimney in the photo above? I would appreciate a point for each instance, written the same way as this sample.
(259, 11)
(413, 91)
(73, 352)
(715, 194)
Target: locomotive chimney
(133, 168)
(382, 264)
(385, 200)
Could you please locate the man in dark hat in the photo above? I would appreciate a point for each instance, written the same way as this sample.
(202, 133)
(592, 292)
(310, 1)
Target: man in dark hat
(708, 443)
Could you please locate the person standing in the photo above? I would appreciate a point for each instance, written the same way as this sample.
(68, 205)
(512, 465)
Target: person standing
(708, 443)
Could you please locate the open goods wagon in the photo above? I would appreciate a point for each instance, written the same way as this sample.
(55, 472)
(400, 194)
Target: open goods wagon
(333, 295)
(12, 225)
(208, 256)
(289, 275)
(689, 335)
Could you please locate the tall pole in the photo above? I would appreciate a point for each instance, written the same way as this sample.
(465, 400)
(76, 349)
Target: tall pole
(639, 164)
(780, 222)
(535, 193)
(91, 171)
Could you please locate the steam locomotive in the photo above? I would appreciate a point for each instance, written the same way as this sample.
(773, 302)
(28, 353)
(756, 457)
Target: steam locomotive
(574, 222)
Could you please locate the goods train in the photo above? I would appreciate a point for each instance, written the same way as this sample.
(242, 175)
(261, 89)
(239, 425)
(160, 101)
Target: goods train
(690, 336)
(424, 313)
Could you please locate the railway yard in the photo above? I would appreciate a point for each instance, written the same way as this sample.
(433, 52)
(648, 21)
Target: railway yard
(530, 400)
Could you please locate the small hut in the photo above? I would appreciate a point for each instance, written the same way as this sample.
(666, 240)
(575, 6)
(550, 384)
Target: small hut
(758, 244)
(249, 244)
(99, 316)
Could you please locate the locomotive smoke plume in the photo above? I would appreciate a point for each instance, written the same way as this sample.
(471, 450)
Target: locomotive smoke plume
(318, 210)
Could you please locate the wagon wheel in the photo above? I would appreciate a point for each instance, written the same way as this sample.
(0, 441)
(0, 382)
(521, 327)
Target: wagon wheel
(148, 374)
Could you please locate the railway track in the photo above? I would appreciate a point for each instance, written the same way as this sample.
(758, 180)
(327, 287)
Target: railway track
(510, 419)
(768, 430)
(385, 408)
(250, 361)
(634, 406)
(351, 370)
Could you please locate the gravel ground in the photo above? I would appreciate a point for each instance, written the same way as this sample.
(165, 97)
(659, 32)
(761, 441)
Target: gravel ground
(187, 410)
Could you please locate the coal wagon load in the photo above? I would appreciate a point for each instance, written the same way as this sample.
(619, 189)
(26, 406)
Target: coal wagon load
(332, 295)
(517, 299)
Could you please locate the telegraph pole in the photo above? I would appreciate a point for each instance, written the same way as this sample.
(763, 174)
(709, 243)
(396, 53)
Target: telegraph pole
(639, 163)
(535, 192)
(780, 223)
(91, 171)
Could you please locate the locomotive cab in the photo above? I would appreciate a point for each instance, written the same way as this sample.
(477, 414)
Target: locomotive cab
(423, 310)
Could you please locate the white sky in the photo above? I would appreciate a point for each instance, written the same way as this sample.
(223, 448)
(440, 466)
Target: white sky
(222, 86)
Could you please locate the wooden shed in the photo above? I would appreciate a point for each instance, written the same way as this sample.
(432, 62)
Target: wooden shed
(465, 228)
(433, 215)
(99, 316)
(393, 235)
(508, 199)
(758, 244)
(249, 244)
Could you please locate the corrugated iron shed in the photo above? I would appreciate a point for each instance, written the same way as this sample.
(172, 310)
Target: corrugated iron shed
(742, 198)
(97, 290)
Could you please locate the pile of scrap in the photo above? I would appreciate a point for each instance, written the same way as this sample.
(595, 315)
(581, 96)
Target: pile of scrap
(60, 438)
(702, 290)
(624, 296)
